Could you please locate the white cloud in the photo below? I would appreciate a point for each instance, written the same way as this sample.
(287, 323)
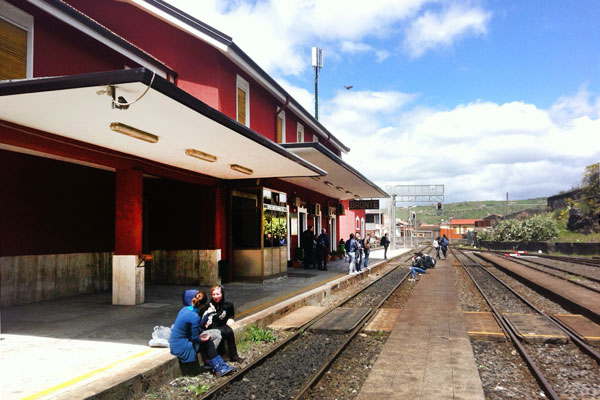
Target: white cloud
(478, 150)
(433, 30)
(278, 34)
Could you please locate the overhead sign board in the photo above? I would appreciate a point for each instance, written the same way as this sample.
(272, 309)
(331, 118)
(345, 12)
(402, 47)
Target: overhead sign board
(364, 205)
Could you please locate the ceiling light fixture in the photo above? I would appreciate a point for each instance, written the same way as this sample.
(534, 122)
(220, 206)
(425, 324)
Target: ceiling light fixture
(356, 197)
(341, 189)
(241, 169)
(315, 178)
(329, 184)
(348, 192)
(201, 155)
(133, 132)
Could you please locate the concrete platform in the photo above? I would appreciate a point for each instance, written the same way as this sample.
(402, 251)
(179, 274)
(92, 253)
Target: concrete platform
(83, 346)
(587, 329)
(297, 318)
(428, 355)
(340, 320)
(533, 328)
(481, 325)
(384, 320)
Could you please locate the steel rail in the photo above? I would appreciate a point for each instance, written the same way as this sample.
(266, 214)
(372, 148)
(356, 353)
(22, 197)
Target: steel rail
(240, 374)
(574, 337)
(508, 329)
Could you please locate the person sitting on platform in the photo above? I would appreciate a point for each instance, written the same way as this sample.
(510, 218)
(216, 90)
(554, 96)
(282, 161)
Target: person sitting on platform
(188, 338)
(221, 314)
(417, 265)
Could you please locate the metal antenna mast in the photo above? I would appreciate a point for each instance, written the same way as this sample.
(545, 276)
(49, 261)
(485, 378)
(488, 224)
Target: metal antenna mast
(317, 63)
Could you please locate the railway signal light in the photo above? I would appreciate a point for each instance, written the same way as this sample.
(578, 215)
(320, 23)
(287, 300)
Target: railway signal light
(439, 206)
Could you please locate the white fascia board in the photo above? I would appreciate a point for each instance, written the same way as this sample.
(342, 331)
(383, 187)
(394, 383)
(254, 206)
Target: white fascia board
(90, 32)
(179, 24)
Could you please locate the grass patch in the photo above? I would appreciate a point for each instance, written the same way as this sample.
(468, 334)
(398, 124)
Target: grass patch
(253, 334)
(197, 390)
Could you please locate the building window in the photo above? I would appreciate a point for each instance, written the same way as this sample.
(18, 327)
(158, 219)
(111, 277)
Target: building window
(242, 101)
(280, 128)
(16, 42)
(300, 133)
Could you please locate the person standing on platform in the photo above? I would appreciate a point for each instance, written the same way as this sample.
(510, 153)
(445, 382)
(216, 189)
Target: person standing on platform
(322, 250)
(359, 251)
(367, 250)
(436, 246)
(444, 245)
(352, 247)
(385, 242)
(306, 241)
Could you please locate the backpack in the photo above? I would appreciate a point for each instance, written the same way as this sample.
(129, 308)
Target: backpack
(428, 261)
(322, 243)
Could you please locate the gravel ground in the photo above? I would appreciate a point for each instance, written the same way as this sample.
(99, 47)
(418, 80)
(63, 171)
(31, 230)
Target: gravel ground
(346, 375)
(572, 374)
(503, 373)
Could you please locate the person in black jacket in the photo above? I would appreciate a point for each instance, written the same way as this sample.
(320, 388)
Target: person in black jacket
(307, 241)
(385, 242)
(221, 316)
(322, 250)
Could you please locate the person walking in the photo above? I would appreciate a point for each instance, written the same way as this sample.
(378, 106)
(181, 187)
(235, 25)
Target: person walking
(367, 250)
(322, 250)
(352, 247)
(436, 246)
(306, 241)
(385, 242)
(444, 245)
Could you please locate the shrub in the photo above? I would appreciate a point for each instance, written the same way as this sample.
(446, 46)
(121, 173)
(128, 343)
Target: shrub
(538, 228)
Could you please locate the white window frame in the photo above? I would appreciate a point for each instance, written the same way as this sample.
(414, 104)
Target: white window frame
(300, 130)
(243, 84)
(281, 115)
(22, 20)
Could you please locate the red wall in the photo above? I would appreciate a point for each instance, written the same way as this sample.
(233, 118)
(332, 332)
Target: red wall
(53, 207)
(56, 52)
(348, 221)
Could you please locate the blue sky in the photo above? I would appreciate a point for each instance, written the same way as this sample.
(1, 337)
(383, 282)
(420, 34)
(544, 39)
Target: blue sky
(485, 97)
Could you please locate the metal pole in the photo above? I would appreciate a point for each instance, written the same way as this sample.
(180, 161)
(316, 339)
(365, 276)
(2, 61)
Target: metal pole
(316, 93)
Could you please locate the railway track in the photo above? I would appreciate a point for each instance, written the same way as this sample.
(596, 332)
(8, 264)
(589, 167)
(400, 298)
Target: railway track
(564, 371)
(292, 368)
(570, 273)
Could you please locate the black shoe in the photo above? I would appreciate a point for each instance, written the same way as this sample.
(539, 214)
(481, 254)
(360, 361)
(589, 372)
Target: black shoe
(236, 358)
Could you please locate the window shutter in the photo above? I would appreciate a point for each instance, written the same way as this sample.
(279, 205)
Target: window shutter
(13, 51)
(279, 138)
(241, 106)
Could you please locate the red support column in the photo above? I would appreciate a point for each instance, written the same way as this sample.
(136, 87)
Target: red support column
(128, 218)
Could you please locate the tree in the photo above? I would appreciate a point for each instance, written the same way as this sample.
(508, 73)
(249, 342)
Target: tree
(538, 228)
(590, 187)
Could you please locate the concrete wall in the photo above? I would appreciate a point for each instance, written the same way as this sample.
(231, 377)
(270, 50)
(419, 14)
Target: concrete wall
(185, 267)
(35, 278)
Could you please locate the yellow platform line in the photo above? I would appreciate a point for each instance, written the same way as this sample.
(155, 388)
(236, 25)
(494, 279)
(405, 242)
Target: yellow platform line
(485, 333)
(285, 297)
(541, 335)
(82, 377)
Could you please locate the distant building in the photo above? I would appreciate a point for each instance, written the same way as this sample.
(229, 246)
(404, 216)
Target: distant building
(375, 223)
(459, 227)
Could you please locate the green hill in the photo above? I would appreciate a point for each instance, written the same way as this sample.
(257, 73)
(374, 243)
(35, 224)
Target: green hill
(472, 209)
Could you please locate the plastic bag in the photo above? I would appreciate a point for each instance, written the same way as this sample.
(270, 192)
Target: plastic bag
(160, 337)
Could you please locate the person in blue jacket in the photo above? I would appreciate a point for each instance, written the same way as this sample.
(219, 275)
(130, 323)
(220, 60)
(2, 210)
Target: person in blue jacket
(187, 338)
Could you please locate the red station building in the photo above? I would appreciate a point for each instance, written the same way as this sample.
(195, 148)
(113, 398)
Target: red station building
(128, 127)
